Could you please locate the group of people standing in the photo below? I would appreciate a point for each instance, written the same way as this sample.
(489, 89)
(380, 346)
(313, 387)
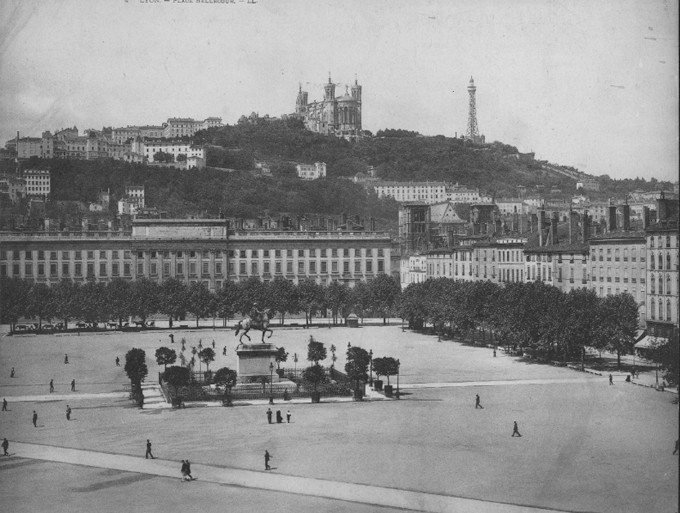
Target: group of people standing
(279, 417)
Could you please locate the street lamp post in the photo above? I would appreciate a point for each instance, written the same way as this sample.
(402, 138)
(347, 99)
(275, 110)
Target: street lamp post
(398, 367)
(295, 360)
(370, 368)
(271, 379)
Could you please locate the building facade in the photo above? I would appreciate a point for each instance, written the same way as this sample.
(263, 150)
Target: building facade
(37, 182)
(661, 248)
(618, 264)
(311, 171)
(204, 250)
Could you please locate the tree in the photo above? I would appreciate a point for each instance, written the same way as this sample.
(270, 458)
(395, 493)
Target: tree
(666, 354)
(136, 370)
(315, 351)
(118, 299)
(282, 297)
(226, 378)
(173, 299)
(177, 377)
(66, 300)
(199, 300)
(617, 318)
(281, 356)
(336, 298)
(165, 356)
(385, 366)
(162, 156)
(13, 300)
(144, 298)
(207, 355)
(385, 291)
(92, 302)
(251, 291)
(311, 298)
(182, 157)
(227, 298)
(357, 364)
(40, 302)
(314, 375)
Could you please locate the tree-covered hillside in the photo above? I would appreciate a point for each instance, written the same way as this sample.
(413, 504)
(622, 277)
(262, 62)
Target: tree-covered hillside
(208, 192)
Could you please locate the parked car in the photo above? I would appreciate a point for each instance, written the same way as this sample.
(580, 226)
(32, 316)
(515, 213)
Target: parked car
(22, 327)
(81, 324)
(47, 327)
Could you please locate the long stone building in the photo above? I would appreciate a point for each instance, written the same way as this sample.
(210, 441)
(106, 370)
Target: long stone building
(200, 250)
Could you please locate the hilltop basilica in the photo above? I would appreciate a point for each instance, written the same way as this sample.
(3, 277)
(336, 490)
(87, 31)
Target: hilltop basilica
(332, 116)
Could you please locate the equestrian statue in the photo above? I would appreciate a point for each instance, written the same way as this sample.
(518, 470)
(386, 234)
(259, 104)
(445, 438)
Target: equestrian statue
(256, 319)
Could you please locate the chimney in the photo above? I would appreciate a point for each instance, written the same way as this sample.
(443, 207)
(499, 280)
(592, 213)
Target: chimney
(661, 210)
(541, 225)
(586, 226)
(626, 217)
(553, 226)
(612, 218)
(533, 223)
(645, 217)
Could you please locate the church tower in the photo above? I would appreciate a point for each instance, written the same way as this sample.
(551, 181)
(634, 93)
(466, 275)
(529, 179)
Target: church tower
(330, 116)
(301, 102)
(329, 90)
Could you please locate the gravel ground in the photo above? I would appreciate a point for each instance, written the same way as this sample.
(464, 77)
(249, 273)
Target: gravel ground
(585, 446)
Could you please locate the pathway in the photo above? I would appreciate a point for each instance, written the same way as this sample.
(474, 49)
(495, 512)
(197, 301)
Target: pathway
(273, 481)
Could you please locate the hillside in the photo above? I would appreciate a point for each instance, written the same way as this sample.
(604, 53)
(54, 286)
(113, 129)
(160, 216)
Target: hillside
(495, 168)
(401, 155)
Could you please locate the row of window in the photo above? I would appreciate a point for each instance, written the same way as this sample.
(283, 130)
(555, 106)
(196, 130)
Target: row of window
(668, 310)
(657, 283)
(659, 259)
(115, 254)
(659, 241)
(65, 255)
(77, 270)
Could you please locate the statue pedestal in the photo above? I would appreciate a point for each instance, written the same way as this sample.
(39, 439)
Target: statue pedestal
(254, 360)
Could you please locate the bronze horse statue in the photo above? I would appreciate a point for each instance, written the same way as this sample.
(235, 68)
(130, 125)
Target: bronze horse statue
(248, 323)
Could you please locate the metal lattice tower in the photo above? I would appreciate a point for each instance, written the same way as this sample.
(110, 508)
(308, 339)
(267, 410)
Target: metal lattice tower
(472, 130)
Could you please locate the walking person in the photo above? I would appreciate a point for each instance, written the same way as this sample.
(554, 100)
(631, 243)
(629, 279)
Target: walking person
(477, 403)
(117, 362)
(65, 359)
(35, 419)
(611, 380)
(269, 415)
(148, 450)
(4, 404)
(515, 429)
(51, 386)
(73, 385)
(213, 344)
(68, 412)
(189, 470)
(5, 446)
(11, 374)
(279, 417)
(267, 457)
(185, 476)
(288, 416)
(224, 351)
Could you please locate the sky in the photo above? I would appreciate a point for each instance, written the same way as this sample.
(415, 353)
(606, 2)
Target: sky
(588, 84)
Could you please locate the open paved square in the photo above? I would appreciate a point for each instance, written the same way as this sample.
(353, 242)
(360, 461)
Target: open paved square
(585, 445)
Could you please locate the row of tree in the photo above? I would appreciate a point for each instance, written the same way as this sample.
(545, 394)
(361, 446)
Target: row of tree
(119, 299)
(531, 316)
